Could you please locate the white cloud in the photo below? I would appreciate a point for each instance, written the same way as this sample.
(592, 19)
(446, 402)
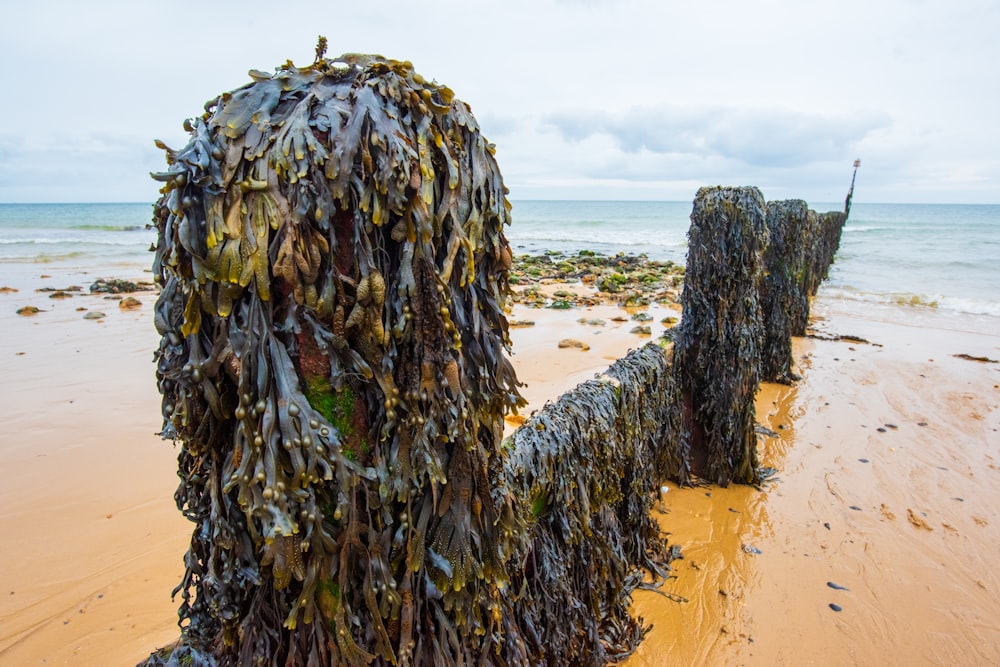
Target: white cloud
(635, 98)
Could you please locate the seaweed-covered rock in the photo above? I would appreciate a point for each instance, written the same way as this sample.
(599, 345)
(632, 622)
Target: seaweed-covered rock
(333, 270)
(717, 343)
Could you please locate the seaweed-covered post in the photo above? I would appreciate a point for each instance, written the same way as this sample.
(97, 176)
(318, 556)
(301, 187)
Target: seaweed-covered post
(830, 226)
(784, 301)
(333, 270)
(805, 277)
(716, 350)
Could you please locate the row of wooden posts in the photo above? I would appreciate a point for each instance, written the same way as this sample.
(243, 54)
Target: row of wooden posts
(600, 452)
(333, 267)
(584, 469)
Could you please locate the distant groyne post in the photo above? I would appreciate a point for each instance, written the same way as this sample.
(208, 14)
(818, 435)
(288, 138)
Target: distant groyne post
(717, 347)
(784, 299)
(830, 227)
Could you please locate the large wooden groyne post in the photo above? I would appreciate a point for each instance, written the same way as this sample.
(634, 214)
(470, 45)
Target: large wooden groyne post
(717, 347)
(332, 363)
(334, 268)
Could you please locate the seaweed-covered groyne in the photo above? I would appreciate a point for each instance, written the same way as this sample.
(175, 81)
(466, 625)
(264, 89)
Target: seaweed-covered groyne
(750, 272)
(333, 272)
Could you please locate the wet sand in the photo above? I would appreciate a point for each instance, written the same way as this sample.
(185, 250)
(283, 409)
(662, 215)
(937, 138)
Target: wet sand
(887, 485)
(93, 543)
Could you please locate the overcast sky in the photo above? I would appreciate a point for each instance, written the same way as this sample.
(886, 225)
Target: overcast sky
(584, 99)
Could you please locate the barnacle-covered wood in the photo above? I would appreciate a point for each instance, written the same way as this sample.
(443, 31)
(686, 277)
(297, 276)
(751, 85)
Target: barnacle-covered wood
(784, 301)
(717, 344)
(583, 471)
(333, 270)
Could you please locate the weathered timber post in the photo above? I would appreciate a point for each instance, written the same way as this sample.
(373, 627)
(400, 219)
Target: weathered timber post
(333, 270)
(784, 299)
(717, 347)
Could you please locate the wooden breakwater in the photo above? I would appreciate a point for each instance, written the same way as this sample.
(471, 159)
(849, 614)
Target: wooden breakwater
(333, 269)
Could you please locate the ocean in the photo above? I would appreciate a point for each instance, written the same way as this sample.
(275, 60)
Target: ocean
(912, 256)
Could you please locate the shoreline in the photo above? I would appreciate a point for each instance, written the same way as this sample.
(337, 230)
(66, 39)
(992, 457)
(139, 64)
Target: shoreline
(96, 544)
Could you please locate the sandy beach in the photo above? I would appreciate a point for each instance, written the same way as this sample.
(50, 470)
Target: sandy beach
(887, 485)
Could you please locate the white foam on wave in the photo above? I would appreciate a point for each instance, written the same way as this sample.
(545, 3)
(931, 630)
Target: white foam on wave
(915, 300)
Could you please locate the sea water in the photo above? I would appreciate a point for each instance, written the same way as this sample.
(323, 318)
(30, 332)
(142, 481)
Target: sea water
(914, 256)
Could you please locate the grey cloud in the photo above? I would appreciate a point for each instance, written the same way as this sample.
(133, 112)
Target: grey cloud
(79, 167)
(765, 138)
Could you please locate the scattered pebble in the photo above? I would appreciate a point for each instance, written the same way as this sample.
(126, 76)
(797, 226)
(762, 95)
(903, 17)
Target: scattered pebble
(28, 311)
(642, 329)
(826, 525)
(836, 607)
(7, 290)
(916, 521)
(837, 587)
(750, 549)
(130, 303)
(856, 508)
(880, 429)
(518, 324)
(863, 460)
(94, 315)
(921, 423)
(572, 342)
(892, 426)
